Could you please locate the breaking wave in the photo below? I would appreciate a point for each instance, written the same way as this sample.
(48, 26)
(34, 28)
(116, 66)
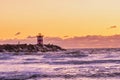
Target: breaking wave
(101, 64)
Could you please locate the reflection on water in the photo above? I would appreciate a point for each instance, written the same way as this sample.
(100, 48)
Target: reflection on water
(61, 66)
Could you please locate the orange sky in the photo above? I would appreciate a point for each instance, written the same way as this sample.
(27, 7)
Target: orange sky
(59, 17)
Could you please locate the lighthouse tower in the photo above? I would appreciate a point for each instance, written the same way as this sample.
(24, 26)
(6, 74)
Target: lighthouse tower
(40, 39)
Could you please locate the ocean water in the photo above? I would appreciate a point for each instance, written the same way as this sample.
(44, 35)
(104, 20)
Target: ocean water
(82, 64)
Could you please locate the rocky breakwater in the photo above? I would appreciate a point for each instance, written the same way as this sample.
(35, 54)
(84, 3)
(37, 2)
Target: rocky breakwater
(29, 48)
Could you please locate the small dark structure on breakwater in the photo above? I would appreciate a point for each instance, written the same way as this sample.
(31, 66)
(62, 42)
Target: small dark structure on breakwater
(40, 39)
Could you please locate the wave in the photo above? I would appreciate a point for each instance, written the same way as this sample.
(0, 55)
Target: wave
(75, 65)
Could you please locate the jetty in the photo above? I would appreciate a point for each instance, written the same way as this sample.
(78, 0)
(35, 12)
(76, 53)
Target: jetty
(39, 47)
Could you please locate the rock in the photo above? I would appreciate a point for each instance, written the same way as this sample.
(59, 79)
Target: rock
(29, 48)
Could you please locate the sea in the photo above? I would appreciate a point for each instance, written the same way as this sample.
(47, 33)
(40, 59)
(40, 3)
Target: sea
(72, 64)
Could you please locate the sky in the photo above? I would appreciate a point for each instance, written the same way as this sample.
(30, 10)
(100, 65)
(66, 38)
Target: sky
(59, 18)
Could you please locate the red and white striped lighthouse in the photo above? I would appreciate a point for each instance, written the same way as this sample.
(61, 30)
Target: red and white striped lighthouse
(40, 39)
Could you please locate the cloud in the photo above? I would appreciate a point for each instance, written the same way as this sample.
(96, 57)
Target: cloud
(31, 37)
(113, 27)
(66, 36)
(95, 41)
(18, 33)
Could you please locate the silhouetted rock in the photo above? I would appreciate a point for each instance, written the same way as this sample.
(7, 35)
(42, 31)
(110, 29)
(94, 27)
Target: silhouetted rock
(29, 48)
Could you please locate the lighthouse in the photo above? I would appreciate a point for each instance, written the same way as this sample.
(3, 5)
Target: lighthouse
(40, 39)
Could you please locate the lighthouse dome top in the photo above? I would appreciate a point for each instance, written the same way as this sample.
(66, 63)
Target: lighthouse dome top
(39, 34)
